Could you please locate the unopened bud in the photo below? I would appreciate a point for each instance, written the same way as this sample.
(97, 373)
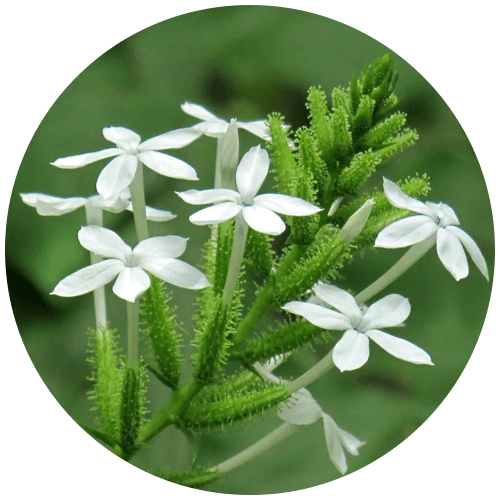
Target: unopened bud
(228, 159)
(356, 222)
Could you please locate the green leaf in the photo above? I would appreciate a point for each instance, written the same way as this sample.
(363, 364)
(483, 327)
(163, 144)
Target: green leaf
(357, 173)
(319, 116)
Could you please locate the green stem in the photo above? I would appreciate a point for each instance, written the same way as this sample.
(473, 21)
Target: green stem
(403, 264)
(272, 439)
(217, 180)
(94, 217)
(237, 253)
(171, 412)
(133, 333)
(317, 371)
(139, 203)
(264, 299)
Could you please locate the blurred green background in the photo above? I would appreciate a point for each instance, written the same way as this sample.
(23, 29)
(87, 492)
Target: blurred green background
(246, 62)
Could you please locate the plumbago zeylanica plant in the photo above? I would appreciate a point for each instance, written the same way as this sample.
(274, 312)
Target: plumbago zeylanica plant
(319, 173)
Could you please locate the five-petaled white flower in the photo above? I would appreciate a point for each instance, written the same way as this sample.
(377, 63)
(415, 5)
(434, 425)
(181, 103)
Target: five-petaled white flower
(120, 172)
(213, 126)
(352, 350)
(55, 205)
(436, 222)
(157, 255)
(258, 211)
(303, 409)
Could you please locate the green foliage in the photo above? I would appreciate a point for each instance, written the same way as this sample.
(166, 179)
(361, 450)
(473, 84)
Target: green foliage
(160, 328)
(229, 407)
(319, 117)
(105, 378)
(322, 260)
(259, 255)
(212, 342)
(359, 170)
(132, 407)
(281, 339)
(283, 160)
(309, 158)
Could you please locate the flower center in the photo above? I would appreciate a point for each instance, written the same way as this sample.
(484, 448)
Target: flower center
(131, 260)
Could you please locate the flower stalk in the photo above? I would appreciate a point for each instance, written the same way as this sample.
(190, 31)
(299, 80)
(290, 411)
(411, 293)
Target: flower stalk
(272, 439)
(237, 253)
(139, 203)
(133, 333)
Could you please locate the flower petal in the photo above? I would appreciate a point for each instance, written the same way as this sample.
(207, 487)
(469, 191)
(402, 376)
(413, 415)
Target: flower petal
(351, 351)
(131, 282)
(103, 242)
(349, 442)
(444, 212)
(340, 300)
(115, 204)
(177, 273)
(263, 220)
(471, 247)
(333, 444)
(168, 165)
(161, 247)
(286, 205)
(116, 176)
(52, 205)
(174, 139)
(259, 128)
(401, 200)
(124, 138)
(198, 111)
(78, 161)
(212, 128)
(195, 197)
(252, 172)
(300, 409)
(157, 215)
(318, 315)
(406, 232)
(215, 214)
(451, 253)
(400, 348)
(391, 310)
(88, 279)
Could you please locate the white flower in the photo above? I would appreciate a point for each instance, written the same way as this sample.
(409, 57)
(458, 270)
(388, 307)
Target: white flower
(258, 211)
(54, 205)
(352, 350)
(213, 126)
(157, 255)
(120, 171)
(437, 221)
(303, 409)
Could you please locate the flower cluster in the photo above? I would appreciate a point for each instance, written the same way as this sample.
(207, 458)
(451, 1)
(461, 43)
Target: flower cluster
(303, 266)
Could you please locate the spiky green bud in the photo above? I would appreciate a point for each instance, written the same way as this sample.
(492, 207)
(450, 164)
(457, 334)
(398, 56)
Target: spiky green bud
(105, 378)
(160, 328)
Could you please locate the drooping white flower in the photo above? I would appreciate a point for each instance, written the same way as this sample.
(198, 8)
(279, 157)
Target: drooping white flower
(303, 409)
(213, 126)
(120, 171)
(48, 205)
(352, 350)
(436, 221)
(157, 255)
(259, 211)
